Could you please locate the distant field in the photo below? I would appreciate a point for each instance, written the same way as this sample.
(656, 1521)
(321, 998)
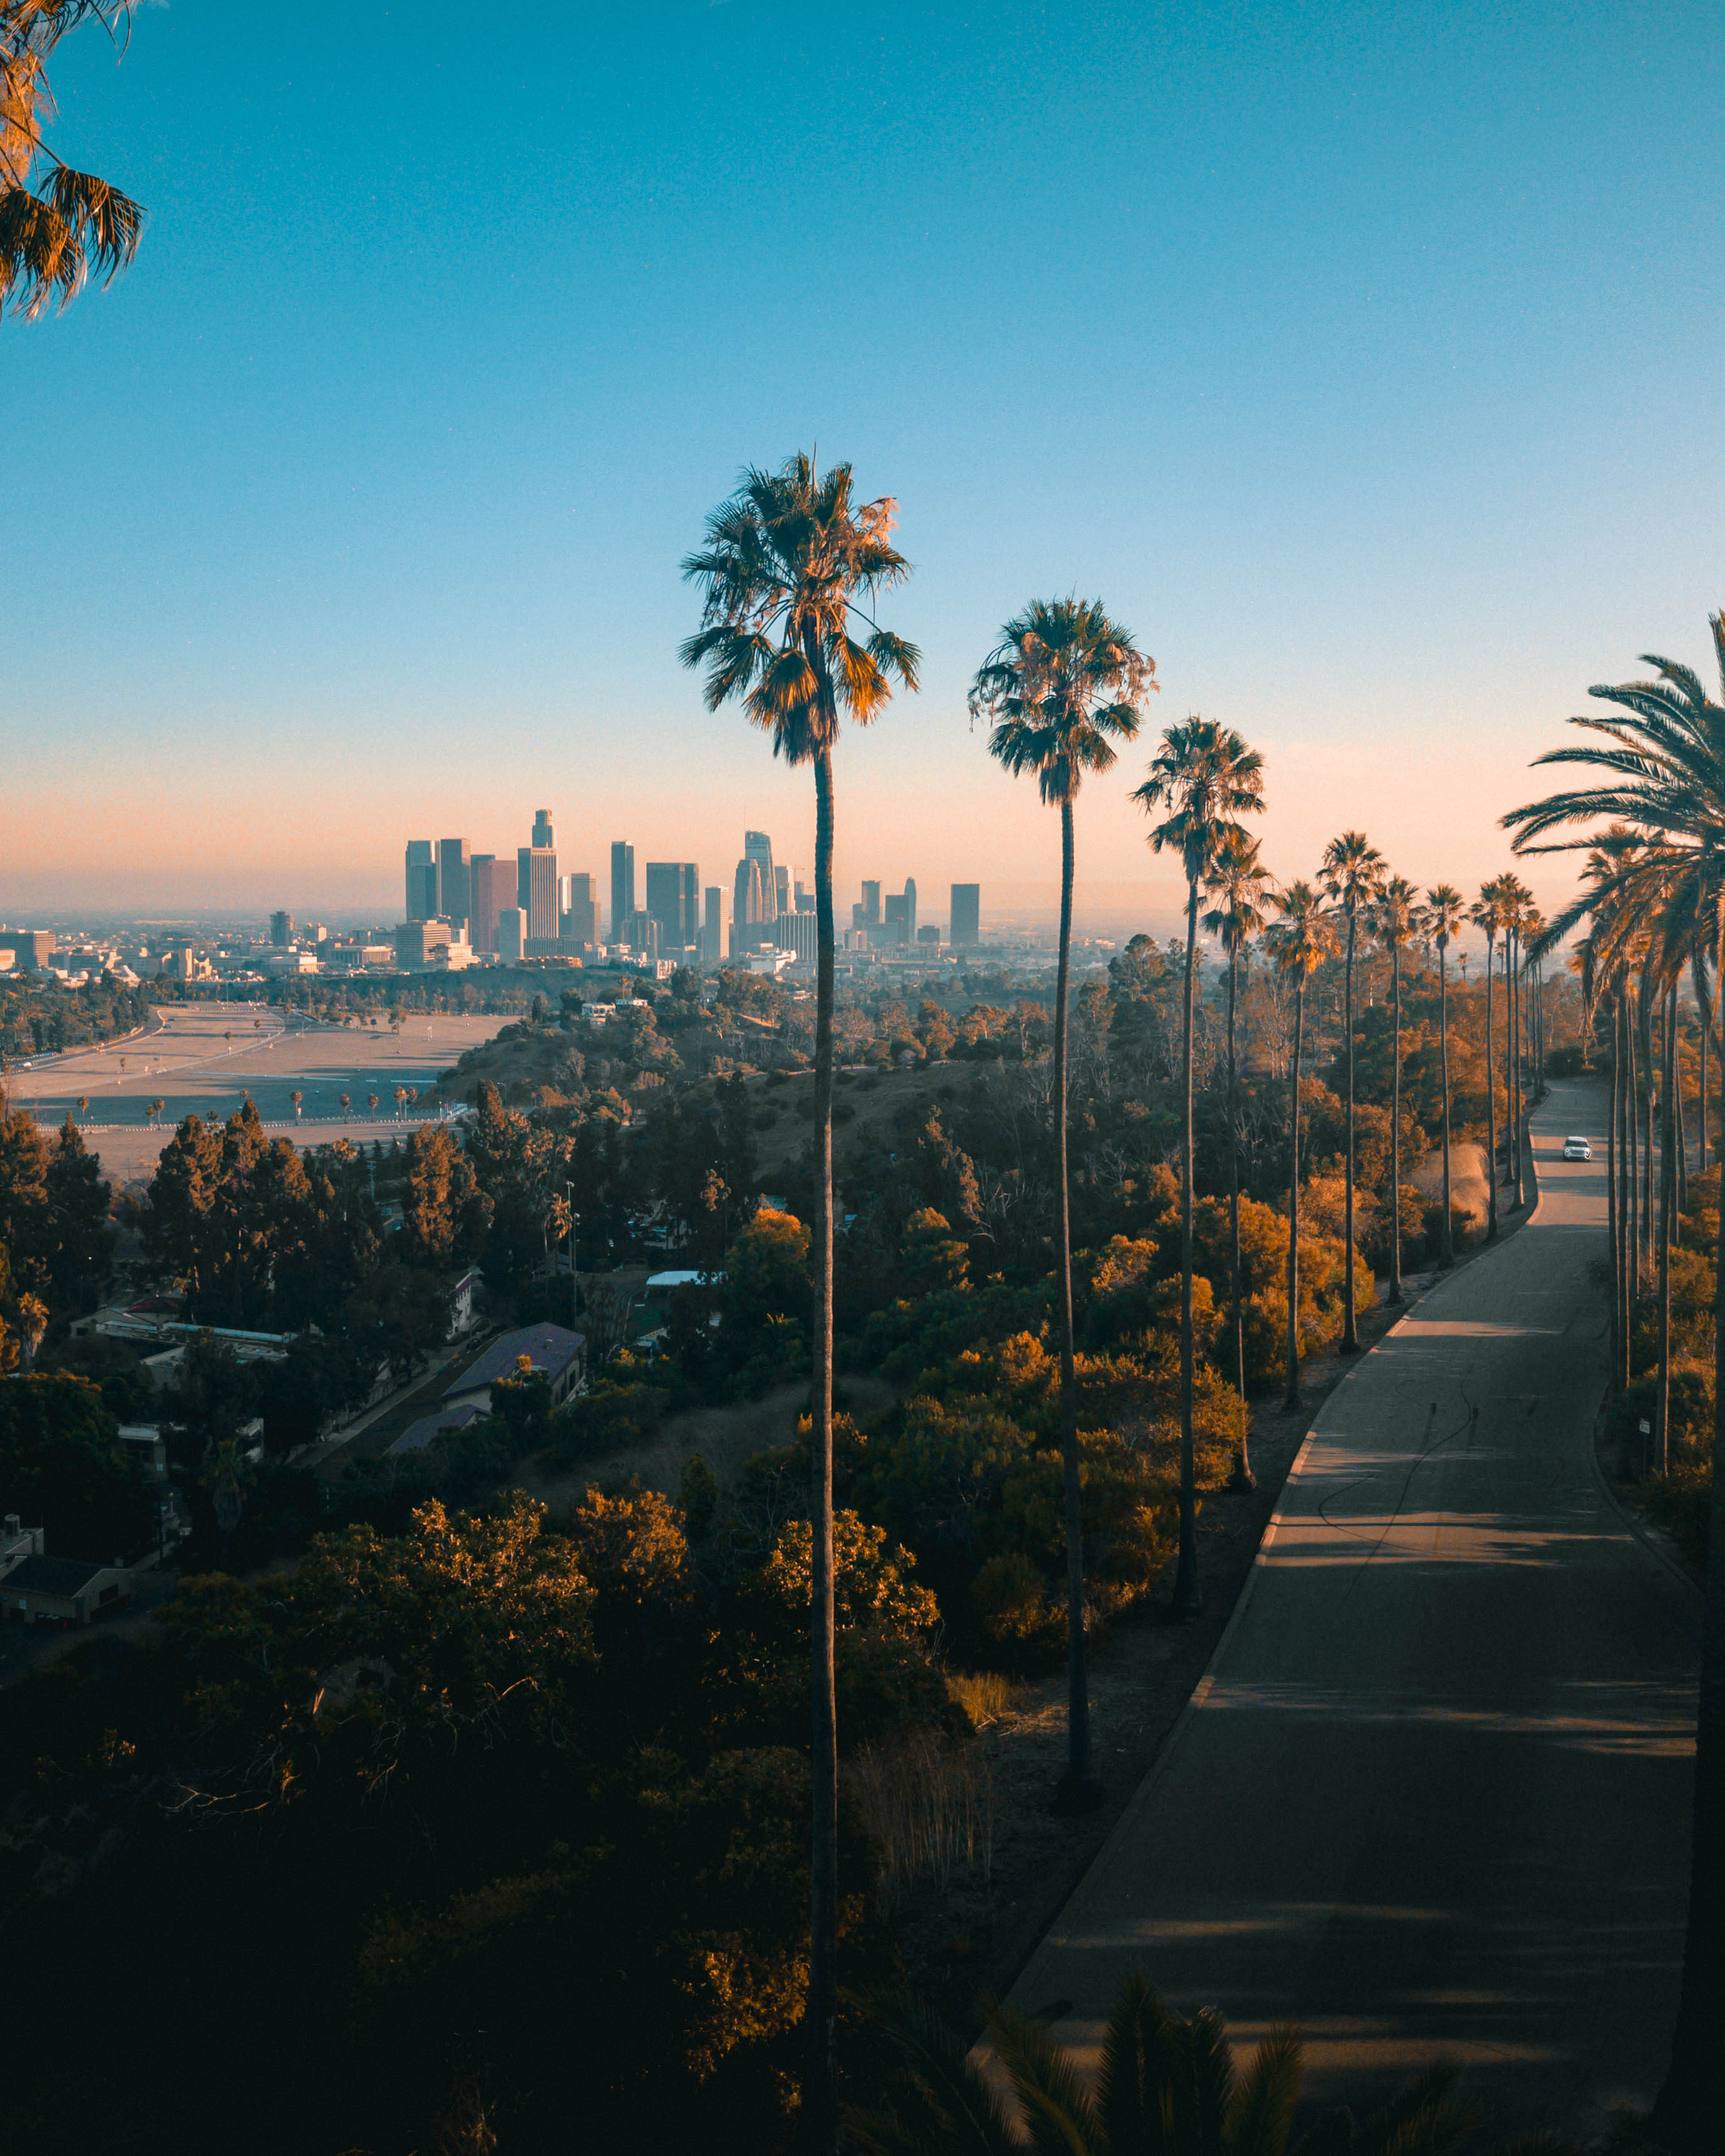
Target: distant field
(199, 1059)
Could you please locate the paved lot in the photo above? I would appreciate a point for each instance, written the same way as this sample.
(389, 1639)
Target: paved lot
(205, 1055)
(1433, 1797)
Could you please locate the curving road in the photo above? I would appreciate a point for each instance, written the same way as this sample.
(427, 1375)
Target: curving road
(1433, 1796)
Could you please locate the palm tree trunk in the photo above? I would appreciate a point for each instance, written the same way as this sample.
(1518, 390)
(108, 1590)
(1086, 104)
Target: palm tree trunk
(1516, 1012)
(1680, 1154)
(1509, 1082)
(1243, 1478)
(1667, 1201)
(1078, 1785)
(1647, 1129)
(1632, 1195)
(1395, 1127)
(1611, 1225)
(1687, 2114)
(1293, 1394)
(1188, 1601)
(1448, 1240)
(823, 2093)
(1700, 1099)
(1350, 1325)
(1491, 1111)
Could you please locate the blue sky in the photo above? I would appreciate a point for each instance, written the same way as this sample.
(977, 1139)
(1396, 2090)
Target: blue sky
(1366, 359)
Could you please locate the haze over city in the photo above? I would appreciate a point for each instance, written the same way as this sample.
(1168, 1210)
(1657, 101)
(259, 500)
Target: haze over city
(862, 1079)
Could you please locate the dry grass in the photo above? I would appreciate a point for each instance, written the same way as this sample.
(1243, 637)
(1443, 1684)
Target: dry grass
(929, 1806)
(983, 1697)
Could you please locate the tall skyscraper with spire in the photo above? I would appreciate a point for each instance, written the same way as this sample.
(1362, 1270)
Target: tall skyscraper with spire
(543, 835)
(756, 846)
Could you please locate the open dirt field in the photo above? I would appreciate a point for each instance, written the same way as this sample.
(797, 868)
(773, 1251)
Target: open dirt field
(199, 1058)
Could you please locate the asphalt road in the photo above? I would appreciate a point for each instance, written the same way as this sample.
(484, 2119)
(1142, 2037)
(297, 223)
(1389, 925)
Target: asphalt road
(204, 1055)
(1433, 1796)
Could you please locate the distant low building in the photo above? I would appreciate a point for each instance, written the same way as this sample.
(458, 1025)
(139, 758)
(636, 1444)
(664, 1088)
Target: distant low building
(795, 932)
(416, 940)
(64, 1590)
(554, 1352)
(32, 947)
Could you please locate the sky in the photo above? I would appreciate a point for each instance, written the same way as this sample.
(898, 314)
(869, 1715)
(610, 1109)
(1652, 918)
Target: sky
(1364, 359)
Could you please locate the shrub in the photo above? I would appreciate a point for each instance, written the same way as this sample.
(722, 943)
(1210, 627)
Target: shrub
(604, 1419)
(1013, 1613)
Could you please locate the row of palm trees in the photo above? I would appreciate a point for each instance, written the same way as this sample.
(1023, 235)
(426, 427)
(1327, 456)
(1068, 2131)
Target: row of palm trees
(791, 572)
(1650, 819)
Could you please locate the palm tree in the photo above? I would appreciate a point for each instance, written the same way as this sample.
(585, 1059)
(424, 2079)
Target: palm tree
(1206, 778)
(1518, 900)
(1350, 873)
(371, 1102)
(1659, 768)
(790, 566)
(1238, 883)
(1441, 922)
(297, 1097)
(1300, 942)
(1063, 683)
(401, 1101)
(1489, 913)
(1393, 917)
(58, 226)
(1166, 2087)
(344, 1101)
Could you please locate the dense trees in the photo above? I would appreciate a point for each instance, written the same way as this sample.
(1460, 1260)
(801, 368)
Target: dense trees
(63, 1468)
(53, 1214)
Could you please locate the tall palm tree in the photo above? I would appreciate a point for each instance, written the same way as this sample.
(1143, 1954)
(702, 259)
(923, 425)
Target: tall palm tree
(1300, 941)
(790, 569)
(1658, 766)
(58, 226)
(1395, 917)
(1238, 882)
(1206, 778)
(1442, 921)
(1488, 913)
(1518, 905)
(1063, 685)
(1350, 873)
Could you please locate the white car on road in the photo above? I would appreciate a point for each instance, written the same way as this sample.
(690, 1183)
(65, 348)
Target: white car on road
(1577, 1149)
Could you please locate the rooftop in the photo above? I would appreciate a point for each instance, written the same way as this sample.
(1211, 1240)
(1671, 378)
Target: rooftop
(550, 1348)
(51, 1575)
(418, 1435)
